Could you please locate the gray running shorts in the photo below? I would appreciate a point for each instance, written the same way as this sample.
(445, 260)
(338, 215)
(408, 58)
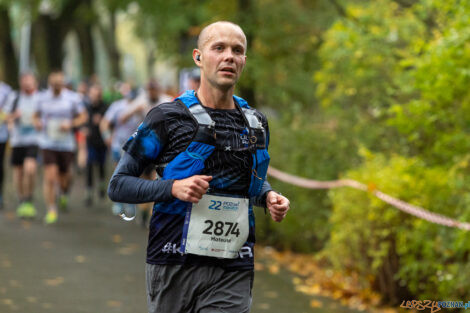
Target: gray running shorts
(197, 289)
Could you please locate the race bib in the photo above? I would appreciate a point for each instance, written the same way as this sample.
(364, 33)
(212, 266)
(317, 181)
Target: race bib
(26, 122)
(217, 226)
(26, 118)
(53, 129)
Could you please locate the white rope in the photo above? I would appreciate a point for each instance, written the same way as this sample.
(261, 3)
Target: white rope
(408, 208)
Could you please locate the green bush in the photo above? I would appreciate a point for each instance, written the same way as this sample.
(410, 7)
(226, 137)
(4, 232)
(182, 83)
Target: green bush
(394, 252)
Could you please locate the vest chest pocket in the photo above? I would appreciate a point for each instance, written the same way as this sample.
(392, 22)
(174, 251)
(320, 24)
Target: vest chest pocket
(189, 162)
(261, 160)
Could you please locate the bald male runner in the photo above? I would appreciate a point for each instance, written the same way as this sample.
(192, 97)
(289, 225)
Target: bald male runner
(210, 149)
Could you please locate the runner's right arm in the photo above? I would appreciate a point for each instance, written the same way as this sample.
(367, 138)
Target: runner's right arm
(126, 186)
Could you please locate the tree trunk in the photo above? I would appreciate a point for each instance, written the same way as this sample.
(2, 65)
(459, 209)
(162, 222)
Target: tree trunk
(87, 50)
(113, 51)
(8, 60)
(84, 19)
(47, 41)
(48, 35)
(246, 21)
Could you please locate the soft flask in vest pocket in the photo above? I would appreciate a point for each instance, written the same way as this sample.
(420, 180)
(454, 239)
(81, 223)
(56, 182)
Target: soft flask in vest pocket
(189, 162)
(259, 171)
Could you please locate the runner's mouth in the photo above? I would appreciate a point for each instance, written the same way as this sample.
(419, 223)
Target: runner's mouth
(228, 70)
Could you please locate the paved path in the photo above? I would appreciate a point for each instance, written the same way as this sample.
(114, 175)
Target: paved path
(93, 262)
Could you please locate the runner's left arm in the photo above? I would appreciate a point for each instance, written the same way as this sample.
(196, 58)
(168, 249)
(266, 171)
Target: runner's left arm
(82, 115)
(260, 199)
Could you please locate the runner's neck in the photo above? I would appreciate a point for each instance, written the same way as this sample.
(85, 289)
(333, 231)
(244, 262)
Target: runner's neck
(215, 98)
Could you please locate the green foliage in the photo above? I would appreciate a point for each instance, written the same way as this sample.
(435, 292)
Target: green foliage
(366, 231)
(402, 71)
(308, 145)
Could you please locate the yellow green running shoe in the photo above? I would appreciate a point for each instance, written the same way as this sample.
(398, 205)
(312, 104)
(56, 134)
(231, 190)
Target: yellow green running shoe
(50, 218)
(21, 210)
(29, 211)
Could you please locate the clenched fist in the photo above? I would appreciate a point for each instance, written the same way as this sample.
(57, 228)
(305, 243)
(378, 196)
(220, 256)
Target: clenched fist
(278, 205)
(191, 189)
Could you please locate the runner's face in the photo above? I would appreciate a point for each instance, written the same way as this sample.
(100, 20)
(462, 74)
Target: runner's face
(153, 93)
(28, 84)
(56, 81)
(95, 94)
(223, 56)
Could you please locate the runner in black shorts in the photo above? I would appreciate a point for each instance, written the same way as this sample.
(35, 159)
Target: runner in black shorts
(210, 149)
(59, 111)
(96, 146)
(5, 91)
(24, 142)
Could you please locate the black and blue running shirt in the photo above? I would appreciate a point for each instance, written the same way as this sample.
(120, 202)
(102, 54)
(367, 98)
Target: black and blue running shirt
(165, 132)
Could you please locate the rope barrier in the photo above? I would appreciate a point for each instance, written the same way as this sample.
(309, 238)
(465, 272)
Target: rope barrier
(403, 206)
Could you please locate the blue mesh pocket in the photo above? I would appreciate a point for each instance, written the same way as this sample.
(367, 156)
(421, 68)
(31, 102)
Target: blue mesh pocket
(259, 171)
(189, 162)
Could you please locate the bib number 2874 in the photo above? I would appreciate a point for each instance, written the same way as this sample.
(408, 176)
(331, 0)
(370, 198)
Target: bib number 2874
(218, 228)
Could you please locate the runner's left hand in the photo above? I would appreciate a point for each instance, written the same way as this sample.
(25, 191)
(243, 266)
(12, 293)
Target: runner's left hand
(278, 205)
(65, 126)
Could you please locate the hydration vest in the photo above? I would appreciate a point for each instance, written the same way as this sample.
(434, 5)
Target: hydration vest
(191, 161)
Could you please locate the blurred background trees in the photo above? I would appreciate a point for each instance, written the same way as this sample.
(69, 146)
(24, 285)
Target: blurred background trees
(372, 90)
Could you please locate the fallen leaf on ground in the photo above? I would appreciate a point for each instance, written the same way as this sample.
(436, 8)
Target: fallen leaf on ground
(259, 266)
(80, 259)
(271, 294)
(128, 249)
(53, 282)
(117, 238)
(7, 301)
(316, 304)
(10, 215)
(47, 245)
(264, 306)
(26, 224)
(31, 299)
(114, 304)
(273, 268)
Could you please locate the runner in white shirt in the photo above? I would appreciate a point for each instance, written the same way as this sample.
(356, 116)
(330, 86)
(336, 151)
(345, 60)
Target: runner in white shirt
(141, 106)
(116, 130)
(58, 112)
(24, 142)
(4, 92)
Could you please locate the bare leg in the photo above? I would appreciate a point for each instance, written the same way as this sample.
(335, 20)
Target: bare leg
(18, 181)
(29, 178)
(51, 179)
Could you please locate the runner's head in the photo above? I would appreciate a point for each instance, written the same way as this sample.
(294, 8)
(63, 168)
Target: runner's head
(28, 83)
(153, 90)
(95, 93)
(221, 54)
(56, 81)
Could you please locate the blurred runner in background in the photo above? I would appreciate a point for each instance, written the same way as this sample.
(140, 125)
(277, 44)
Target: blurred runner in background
(116, 131)
(96, 148)
(142, 105)
(194, 80)
(80, 137)
(4, 92)
(59, 111)
(24, 142)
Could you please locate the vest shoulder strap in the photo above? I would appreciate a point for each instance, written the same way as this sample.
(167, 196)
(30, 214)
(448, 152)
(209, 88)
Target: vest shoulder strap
(252, 119)
(201, 115)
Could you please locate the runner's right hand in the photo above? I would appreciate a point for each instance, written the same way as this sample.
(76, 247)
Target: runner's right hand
(191, 189)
